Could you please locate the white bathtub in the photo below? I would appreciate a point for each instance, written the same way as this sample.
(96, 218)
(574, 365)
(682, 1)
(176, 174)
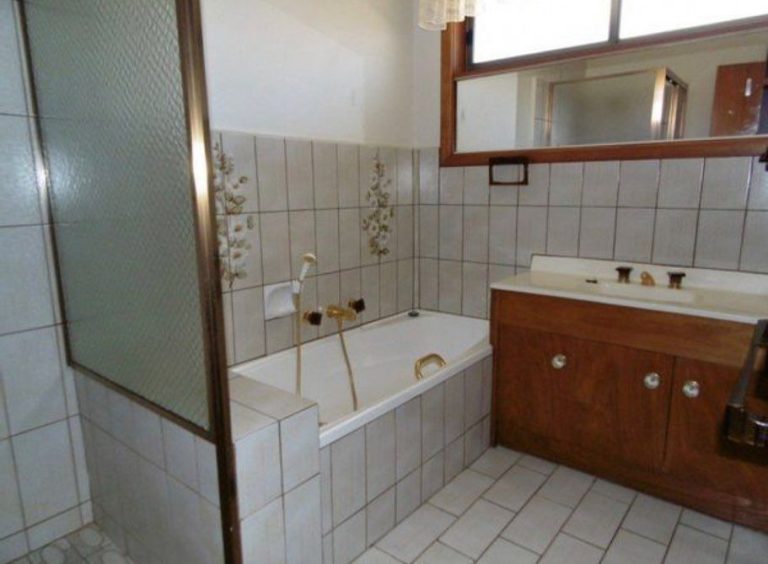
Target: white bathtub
(382, 356)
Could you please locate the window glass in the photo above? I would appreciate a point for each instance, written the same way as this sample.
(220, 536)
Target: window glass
(646, 17)
(512, 28)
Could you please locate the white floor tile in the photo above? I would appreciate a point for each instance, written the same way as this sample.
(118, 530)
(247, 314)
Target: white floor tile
(614, 491)
(537, 524)
(495, 461)
(504, 552)
(412, 537)
(538, 464)
(461, 492)
(375, 556)
(438, 553)
(747, 546)
(706, 524)
(567, 486)
(515, 487)
(568, 550)
(629, 548)
(477, 528)
(652, 518)
(596, 519)
(689, 546)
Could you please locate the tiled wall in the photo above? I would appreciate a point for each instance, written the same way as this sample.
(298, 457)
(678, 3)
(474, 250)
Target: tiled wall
(378, 475)
(44, 491)
(690, 212)
(154, 484)
(310, 196)
(278, 474)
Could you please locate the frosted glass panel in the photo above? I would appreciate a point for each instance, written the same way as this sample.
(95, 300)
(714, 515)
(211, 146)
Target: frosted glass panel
(109, 89)
(512, 28)
(645, 17)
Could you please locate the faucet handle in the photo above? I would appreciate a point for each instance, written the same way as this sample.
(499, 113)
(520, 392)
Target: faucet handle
(357, 305)
(676, 279)
(313, 317)
(624, 273)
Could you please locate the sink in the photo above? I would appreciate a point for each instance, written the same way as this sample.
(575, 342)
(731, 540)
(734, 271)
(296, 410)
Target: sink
(653, 293)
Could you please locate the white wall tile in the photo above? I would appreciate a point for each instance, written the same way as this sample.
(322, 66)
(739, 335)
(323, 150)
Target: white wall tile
(12, 99)
(451, 185)
(302, 524)
(474, 289)
(257, 458)
(78, 453)
(270, 161)
(531, 233)
(405, 195)
(405, 229)
(503, 234)
(31, 378)
(299, 447)
(428, 283)
(454, 407)
(349, 539)
(601, 183)
(302, 237)
(634, 234)
(725, 183)
(348, 475)
(380, 516)
(24, 289)
(428, 231)
(451, 227)
(46, 471)
(454, 459)
(428, 176)
(19, 199)
(15, 546)
(563, 226)
(408, 495)
(432, 421)
(408, 437)
(639, 183)
(325, 174)
(753, 255)
(250, 230)
(449, 287)
(405, 283)
(475, 236)
(596, 237)
(207, 469)
(349, 238)
(56, 527)
(680, 185)
(180, 456)
(565, 184)
(263, 535)
(380, 454)
(432, 476)
(388, 289)
(537, 191)
(719, 239)
(348, 170)
(276, 251)
(476, 188)
(370, 281)
(675, 237)
(758, 186)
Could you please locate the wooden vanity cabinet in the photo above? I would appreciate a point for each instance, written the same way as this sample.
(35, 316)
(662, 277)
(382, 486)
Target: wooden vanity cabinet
(610, 390)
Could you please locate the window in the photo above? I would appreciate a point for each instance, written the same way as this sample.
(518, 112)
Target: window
(646, 17)
(513, 28)
(516, 30)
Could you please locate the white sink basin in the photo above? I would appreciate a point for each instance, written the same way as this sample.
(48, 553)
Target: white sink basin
(638, 291)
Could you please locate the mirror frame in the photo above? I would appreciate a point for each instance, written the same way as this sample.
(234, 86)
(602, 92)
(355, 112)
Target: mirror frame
(454, 66)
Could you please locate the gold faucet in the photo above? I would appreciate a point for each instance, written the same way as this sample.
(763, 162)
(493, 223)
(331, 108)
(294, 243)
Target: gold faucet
(340, 313)
(646, 279)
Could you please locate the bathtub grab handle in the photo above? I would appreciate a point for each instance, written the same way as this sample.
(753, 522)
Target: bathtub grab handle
(432, 358)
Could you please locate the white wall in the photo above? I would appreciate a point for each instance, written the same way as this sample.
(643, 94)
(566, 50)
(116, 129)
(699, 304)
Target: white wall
(341, 70)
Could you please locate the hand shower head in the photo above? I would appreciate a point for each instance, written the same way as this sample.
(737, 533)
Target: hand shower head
(308, 260)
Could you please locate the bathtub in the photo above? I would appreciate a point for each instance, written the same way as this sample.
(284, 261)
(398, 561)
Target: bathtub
(382, 355)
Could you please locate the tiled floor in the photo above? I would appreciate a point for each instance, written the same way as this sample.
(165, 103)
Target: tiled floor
(88, 545)
(510, 508)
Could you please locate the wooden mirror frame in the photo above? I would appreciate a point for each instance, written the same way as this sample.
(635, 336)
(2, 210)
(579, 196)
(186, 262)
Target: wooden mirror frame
(454, 66)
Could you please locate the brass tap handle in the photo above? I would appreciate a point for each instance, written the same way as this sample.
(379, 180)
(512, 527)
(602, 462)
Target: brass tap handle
(676, 280)
(646, 279)
(313, 317)
(624, 272)
(357, 305)
(340, 313)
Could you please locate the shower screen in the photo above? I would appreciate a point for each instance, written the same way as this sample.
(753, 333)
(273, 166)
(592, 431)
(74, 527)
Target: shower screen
(111, 102)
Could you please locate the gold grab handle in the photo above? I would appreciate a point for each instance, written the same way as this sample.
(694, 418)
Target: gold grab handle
(432, 358)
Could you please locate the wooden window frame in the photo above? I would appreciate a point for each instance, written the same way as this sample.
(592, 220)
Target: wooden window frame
(455, 65)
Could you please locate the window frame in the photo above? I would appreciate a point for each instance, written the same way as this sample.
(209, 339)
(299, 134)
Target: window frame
(455, 65)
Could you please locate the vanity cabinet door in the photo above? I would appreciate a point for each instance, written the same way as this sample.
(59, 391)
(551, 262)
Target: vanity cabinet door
(697, 451)
(614, 403)
(581, 398)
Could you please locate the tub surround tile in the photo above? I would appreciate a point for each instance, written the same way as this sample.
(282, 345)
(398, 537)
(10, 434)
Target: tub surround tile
(242, 149)
(408, 494)
(325, 174)
(13, 519)
(266, 399)
(380, 454)
(432, 476)
(246, 420)
(476, 233)
(454, 408)
(408, 437)
(405, 179)
(348, 475)
(428, 176)
(349, 174)
(303, 524)
(450, 286)
(380, 516)
(451, 224)
(263, 535)
(19, 199)
(257, 458)
(474, 287)
(299, 174)
(299, 447)
(325, 490)
(271, 169)
(180, 455)
(475, 442)
(454, 459)
(349, 539)
(433, 426)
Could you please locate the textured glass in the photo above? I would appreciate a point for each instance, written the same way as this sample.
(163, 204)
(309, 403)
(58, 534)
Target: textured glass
(109, 87)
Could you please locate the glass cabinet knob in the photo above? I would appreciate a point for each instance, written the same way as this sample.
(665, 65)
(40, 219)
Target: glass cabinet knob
(559, 361)
(691, 389)
(652, 380)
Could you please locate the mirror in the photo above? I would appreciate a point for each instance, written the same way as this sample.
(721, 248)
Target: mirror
(707, 88)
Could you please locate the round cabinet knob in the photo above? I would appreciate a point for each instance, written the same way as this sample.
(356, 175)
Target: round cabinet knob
(652, 380)
(691, 389)
(559, 361)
